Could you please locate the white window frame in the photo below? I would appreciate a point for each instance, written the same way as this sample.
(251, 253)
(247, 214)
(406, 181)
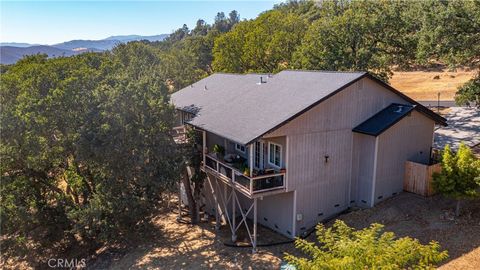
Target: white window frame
(279, 158)
(238, 147)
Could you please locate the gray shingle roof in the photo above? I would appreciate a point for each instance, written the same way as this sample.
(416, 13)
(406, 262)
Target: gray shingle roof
(384, 119)
(241, 109)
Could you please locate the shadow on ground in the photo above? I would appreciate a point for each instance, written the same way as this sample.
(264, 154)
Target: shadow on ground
(179, 245)
(173, 245)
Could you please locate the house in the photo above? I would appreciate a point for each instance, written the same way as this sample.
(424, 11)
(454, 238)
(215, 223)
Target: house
(299, 147)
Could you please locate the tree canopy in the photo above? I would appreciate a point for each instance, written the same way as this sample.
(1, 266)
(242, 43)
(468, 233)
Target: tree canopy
(265, 44)
(375, 36)
(469, 93)
(85, 147)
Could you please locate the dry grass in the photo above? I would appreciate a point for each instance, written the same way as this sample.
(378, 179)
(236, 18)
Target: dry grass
(177, 245)
(168, 244)
(182, 246)
(469, 261)
(424, 85)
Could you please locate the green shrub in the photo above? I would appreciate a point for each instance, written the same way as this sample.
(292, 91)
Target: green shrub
(460, 175)
(342, 247)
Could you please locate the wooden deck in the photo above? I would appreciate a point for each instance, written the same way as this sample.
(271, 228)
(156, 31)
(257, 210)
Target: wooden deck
(256, 186)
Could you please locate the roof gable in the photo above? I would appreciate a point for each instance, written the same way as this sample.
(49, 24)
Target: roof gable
(242, 109)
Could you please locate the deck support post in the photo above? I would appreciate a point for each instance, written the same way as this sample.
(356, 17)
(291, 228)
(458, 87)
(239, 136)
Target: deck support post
(234, 208)
(217, 207)
(179, 200)
(254, 244)
(217, 204)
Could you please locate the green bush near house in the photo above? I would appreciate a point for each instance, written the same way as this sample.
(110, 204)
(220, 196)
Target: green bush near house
(343, 247)
(460, 175)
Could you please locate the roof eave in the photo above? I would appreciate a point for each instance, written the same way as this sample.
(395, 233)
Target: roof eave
(220, 135)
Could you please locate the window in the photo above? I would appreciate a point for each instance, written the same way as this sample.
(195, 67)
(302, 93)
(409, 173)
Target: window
(275, 154)
(240, 147)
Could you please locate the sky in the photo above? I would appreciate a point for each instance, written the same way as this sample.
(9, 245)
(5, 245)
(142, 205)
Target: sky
(50, 22)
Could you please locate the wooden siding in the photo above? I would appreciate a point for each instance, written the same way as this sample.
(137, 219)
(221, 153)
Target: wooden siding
(276, 212)
(324, 188)
(410, 139)
(418, 178)
(345, 110)
(362, 169)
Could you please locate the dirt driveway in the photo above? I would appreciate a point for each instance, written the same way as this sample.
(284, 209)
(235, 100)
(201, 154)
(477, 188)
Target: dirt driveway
(182, 246)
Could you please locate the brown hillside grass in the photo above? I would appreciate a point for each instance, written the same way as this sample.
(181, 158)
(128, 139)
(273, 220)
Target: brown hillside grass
(424, 85)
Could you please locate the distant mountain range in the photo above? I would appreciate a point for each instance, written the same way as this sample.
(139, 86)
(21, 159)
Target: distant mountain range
(11, 52)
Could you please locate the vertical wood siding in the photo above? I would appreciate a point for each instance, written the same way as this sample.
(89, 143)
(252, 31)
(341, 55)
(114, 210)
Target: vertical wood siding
(409, 139)
(418, 178)
(362, 169)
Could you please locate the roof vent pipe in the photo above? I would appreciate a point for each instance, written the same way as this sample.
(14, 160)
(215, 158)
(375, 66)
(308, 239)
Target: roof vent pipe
(261, 80)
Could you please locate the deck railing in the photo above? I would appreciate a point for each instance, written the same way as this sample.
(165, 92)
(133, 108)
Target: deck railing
(251, 185)
(180, 134)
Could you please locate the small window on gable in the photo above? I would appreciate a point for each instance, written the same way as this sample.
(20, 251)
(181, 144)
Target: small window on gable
(275, 154)
(240, 147)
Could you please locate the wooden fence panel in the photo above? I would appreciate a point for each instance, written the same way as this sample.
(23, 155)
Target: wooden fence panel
(418, 178)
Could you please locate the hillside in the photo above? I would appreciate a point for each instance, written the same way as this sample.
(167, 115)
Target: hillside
(107, 43)
(17, 44)
(11, 52)
(425, 85)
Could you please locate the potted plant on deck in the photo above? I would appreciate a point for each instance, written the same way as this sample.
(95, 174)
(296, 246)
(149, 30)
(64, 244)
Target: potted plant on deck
(246, 171)
(218, 151)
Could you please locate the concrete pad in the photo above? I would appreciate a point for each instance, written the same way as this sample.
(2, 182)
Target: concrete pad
(463, 126)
